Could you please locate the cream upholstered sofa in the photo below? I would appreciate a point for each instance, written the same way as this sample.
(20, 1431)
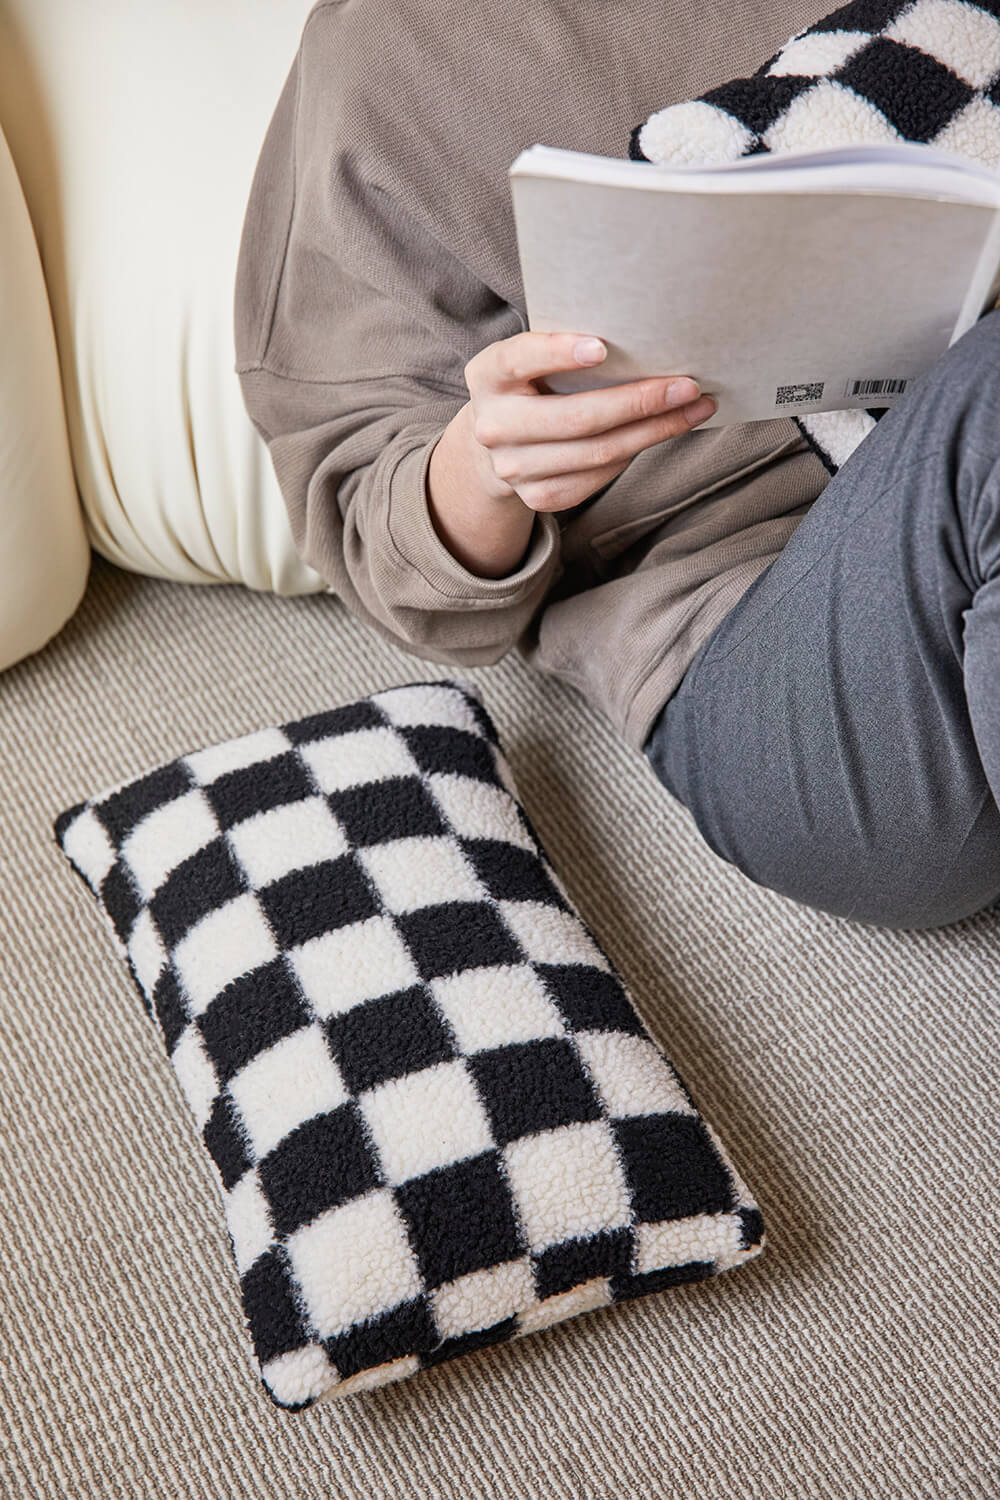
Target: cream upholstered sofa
(128, 139)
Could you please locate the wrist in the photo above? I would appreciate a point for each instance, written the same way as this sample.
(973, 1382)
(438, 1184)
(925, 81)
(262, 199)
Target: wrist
(483, 523)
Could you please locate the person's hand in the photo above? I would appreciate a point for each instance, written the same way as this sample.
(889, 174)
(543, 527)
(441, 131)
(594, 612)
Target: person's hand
(552, 450)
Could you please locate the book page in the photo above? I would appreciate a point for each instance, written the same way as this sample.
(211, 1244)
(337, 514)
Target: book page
(777, 303)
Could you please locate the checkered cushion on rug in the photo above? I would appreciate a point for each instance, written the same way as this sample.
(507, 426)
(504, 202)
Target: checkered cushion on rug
(872, 71)
(436, 1118)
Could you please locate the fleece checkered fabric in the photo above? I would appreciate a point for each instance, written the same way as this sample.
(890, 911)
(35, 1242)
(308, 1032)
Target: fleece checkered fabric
(437, 1120)
(874, 71)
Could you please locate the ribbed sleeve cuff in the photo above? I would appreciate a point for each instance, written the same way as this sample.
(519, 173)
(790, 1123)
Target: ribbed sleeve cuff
(414, 538)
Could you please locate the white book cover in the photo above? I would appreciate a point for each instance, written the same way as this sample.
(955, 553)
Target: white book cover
(784, 284)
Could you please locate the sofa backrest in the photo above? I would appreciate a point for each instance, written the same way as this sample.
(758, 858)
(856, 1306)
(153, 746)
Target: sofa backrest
(44, 556)
(136, 129)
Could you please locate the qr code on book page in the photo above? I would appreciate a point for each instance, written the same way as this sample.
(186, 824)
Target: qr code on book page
(807, 390)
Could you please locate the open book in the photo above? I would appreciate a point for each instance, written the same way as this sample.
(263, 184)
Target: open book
(801, 282)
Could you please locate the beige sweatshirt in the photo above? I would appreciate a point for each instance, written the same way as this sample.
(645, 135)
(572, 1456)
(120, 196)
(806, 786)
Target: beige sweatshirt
(379, 255)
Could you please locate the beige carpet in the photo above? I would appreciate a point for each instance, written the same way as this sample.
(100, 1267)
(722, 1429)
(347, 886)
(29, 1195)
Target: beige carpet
(852, 1074)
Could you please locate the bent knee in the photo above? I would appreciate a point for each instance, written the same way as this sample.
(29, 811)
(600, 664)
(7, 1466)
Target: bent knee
(890, 896)
(939, 875)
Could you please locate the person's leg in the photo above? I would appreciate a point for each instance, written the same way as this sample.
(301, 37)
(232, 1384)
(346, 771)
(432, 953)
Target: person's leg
(837, 737)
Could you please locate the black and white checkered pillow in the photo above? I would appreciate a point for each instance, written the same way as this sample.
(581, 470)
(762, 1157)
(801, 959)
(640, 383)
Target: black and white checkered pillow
(437, 1120)
(873, 71)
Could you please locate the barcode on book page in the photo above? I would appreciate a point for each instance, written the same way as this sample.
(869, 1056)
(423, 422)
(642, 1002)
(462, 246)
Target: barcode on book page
(806, 390)
(875, 387)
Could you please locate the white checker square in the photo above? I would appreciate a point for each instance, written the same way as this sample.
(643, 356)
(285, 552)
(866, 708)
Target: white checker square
(363, 755)
(300, 1375)
(963, 37)
(166, 837)
(361, 961)
(818, 53)
(496, 1005)
(674, 1242)
(287, 1084)
(353, 1262)
(271, 844)
(579, 1299)
(146, 950)
(567, 1182)
(832, 113)
(482, 1298)
(88, 844)
(693, 133)
(425, 1120)
(477, 810)
(420, 704)
(248, 1221)
(229, 941)
(421, 871)
(974, 131)
(631, 1074)
(550, 935)
(235, 755)
(195, 1074)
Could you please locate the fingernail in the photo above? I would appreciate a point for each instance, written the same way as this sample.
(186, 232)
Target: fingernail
(699, 410)
(586, 351)
(680, 391)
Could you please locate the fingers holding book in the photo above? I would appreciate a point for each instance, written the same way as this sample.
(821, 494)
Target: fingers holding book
(553, 450)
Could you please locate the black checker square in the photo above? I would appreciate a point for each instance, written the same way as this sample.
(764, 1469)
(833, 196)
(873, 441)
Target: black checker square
(346, 719)
(445, 750)
(271, 1306)
(406, 1329)
(460, 1218)
(532, 1086)
(916, 93)
(377, 811)
(562, 1267)
(752, 1227)
(511, 873)
(758, 102)
(124, 809)
(626, 1286)
(241, 794)
(466, 1343)
(457, 935)
(590, 999)
(389, 1037)
(672, 1167)
(226, 1142)
(321, 1164)
(198, 885)
(168, 1003)
(316, 899)
(121, 899)
(251, 1014)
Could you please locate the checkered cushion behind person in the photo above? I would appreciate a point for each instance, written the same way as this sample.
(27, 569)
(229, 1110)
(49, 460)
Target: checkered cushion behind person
(873, 71)
(437, 1119)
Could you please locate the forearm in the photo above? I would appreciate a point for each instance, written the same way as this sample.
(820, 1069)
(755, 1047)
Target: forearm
(484, 528)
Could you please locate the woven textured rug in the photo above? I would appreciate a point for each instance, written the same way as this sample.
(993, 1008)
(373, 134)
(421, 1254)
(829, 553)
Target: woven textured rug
(850, 1070)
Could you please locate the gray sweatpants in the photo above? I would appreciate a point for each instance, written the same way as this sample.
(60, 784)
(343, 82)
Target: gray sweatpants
(837, 737)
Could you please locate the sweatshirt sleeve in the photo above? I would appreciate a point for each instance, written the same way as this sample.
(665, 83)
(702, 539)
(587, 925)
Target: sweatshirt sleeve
(353, 325)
